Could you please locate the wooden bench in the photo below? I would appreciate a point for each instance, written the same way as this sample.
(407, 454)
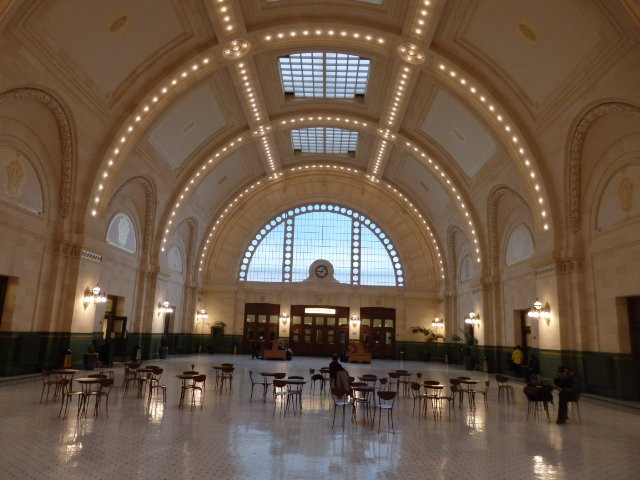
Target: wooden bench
(357, 354)
(274, 353)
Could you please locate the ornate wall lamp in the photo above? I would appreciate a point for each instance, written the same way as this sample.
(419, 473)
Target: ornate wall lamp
(355, 321)
(164, 307)
(438, 322)
(284, 319)
(202, 314)
(472, 318)
(540, 311)
(93, 296)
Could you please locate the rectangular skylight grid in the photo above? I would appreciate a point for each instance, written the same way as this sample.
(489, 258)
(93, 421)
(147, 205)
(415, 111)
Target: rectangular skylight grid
(324, 140)
(324, 75)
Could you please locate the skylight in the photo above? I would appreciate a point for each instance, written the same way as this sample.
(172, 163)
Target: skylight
(324, 75)
(324, 140)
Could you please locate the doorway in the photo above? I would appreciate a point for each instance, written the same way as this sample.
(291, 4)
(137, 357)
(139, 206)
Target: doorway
(633, 310)
(114, 331)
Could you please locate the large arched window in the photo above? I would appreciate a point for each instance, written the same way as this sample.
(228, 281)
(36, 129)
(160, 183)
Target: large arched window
(285, 247)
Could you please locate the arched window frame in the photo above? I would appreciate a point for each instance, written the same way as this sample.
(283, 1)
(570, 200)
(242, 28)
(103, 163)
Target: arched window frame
(358, 222)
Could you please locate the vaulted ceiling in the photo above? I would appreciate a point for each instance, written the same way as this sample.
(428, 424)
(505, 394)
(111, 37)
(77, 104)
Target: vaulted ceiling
(463, 97)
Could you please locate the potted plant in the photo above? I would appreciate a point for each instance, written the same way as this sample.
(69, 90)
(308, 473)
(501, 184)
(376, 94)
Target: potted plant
(217, 334)
(90, 358)
(467, 343)
(429, 337)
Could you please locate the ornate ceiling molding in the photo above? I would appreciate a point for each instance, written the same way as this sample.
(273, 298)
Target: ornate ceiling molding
(64, 131)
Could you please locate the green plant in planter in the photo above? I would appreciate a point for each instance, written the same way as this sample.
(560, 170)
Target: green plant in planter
(429, 337)
(467, 343)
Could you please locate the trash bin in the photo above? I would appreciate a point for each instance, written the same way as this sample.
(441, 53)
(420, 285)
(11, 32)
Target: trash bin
(137, 353)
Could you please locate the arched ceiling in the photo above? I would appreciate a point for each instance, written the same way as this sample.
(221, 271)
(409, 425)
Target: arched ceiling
(189, 92)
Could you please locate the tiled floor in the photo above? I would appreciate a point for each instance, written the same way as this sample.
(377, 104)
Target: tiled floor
(231, 438)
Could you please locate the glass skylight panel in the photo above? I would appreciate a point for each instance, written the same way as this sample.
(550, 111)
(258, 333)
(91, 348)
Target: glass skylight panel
(324, 75)
(324, 140)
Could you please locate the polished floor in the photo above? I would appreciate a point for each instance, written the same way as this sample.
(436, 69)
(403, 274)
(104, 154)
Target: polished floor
(229, 437)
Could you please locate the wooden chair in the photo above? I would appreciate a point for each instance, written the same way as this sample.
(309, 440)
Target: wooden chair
(484, 393)
(419, 398)
(362, 397)
(226, 377)
(280, 394)
(505, 389)
(536, 396)
(341, 400)
(47, 381)
(264, 383)
(155, 386)
(451, 400)
(103, 392)
(196, 384)
(295, 393)
(385, 403)
(68, 393)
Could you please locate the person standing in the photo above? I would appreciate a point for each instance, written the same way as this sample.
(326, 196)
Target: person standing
(566, 384)
(517, 358)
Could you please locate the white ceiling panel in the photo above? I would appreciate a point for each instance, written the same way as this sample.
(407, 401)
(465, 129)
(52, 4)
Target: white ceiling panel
(187, 124)
(450, 123)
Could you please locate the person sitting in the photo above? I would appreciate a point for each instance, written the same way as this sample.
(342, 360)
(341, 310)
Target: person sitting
(533, 370)
(567, 386)
(255, 352)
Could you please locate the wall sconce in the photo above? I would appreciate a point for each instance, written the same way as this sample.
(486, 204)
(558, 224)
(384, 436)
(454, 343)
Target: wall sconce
(202, 314)
(540, 311)
(284, 319)
(93, 296)
(164, 307)
(472, 318)
(437, 322)
(355, 321)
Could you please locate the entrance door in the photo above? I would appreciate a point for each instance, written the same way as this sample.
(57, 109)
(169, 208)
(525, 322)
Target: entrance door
(319, 334)
(633, 308)
(378, 331)
(260, 324)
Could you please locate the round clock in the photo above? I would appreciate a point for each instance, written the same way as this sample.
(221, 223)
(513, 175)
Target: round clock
(321, 271)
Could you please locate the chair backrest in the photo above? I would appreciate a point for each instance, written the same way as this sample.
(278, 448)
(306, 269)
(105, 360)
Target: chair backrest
(502, 378)
(358, 384)
(386, 397)
(415, 388)
(394, 374)
(277, 383)
(296, 377)
(105, 385)
(227, 370)
(369, 376)
(454, 381)
(279, 376)
(464, 378)
(200, 378)
(431, 382)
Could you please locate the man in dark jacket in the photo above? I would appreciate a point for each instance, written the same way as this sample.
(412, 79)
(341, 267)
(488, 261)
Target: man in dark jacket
(567, 386)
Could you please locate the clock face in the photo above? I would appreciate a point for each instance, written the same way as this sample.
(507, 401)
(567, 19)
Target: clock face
(321, 271)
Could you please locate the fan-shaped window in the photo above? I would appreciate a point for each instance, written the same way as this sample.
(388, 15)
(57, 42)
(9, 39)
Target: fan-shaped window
(359, 250)
(520, 245)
